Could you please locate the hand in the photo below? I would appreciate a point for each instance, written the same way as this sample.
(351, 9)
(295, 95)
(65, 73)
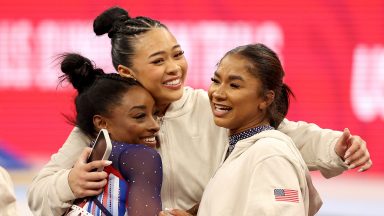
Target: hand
(175, 212)
(82, 178)
(354, 151)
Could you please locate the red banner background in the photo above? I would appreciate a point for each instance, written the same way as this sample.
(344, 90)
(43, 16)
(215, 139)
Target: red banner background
(333, 53)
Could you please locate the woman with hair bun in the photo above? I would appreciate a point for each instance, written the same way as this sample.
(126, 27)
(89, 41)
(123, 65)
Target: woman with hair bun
(127, 111)
(191, 145)
(266, 172)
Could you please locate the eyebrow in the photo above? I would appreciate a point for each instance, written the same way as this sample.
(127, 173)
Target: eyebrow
(231, 77)
(138, 107)
(161, 52)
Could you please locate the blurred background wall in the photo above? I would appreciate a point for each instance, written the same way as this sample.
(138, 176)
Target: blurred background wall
(332, 51)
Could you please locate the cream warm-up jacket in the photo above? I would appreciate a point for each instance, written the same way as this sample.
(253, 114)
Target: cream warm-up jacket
(245, 183)
(8, 204)
(191, 148)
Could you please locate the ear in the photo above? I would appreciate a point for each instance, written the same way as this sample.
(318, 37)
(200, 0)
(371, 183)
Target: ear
(269, 97)
(99, 122)
(125, 71)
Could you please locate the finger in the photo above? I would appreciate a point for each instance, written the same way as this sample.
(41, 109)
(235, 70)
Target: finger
(87, 193)
(97, 164)
(95, 176)
(342, 143)
(355, 156)
(366, 167)
(345, 136)
(178, 212)
(84, 155)
(361, 161)
(97, 185)
(356, 144)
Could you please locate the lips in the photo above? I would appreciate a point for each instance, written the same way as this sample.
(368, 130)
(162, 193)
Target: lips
(149, 141)
(220, 110)
(173, 84)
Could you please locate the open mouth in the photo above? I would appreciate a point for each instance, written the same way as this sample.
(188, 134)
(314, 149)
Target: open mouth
(150, 141)
(176, 83)
(220, 110)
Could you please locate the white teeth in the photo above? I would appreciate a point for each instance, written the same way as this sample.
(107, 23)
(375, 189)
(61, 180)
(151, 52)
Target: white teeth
(173, 82)
(150, 139)
(222, 108)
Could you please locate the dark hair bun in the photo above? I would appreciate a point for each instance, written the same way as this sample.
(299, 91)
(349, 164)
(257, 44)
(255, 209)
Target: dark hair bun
(79, 71)
(104, 22)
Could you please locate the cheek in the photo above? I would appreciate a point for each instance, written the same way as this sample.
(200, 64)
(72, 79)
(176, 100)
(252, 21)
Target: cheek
(210, 92)
(184, 66)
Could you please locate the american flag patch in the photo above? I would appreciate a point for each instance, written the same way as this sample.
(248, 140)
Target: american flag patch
(286, 195)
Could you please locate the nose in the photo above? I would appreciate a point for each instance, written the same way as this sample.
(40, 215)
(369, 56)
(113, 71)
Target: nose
(153, 125)
(218, 93)
(173, 67)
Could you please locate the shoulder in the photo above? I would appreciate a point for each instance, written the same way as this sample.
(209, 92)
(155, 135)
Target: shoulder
(273, 143)
(134, 149)
(196, 94)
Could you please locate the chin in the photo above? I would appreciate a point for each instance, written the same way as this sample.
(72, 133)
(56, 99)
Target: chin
(176, 95)
(221, 123)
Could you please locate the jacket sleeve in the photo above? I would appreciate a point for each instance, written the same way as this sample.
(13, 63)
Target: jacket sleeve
(7, 197)
(49, 193)
(316, 146)
(265, 196)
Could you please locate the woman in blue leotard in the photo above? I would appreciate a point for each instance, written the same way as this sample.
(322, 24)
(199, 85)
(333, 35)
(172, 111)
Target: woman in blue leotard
(126, 110)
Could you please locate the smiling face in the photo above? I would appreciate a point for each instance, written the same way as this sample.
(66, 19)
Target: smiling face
(159, 65)
(133, 120)
(236, 96)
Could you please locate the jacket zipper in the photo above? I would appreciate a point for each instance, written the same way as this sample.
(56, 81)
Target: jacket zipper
(166, 155)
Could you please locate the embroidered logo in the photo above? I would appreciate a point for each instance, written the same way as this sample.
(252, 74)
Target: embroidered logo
(286, 195)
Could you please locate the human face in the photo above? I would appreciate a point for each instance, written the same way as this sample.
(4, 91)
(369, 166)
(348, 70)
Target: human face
(133, 120)
(235, 96)
(159, 65)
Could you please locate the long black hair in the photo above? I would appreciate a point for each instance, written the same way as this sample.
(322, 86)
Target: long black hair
(97, 91)
(266, 66)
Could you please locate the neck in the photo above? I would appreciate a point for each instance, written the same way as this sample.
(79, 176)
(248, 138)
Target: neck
(241, 129)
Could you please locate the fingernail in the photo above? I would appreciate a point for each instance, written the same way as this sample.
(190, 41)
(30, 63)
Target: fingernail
(347, 161)
(107, 162)
(361, 170)
(352, 166)
(346, 154)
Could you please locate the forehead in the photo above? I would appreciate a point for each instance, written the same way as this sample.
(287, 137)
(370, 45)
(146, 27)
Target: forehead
(135, 96)
(233, 64)
(154, 40)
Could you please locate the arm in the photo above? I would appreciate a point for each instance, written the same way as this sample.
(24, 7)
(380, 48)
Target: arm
(142, 168)
(318, 148)
(275, 172)
(52, 190)
(7, 198)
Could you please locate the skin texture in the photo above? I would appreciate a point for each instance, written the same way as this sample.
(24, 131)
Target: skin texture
(159, 65)
(133, 120)
(83, 181)
(171, 65)
(236, 96)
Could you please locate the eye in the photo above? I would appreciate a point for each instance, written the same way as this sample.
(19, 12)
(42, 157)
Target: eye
(235, 85)
(179, 54)
(157, 61)
(155, 114)
(139, 116)
(214, 80)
